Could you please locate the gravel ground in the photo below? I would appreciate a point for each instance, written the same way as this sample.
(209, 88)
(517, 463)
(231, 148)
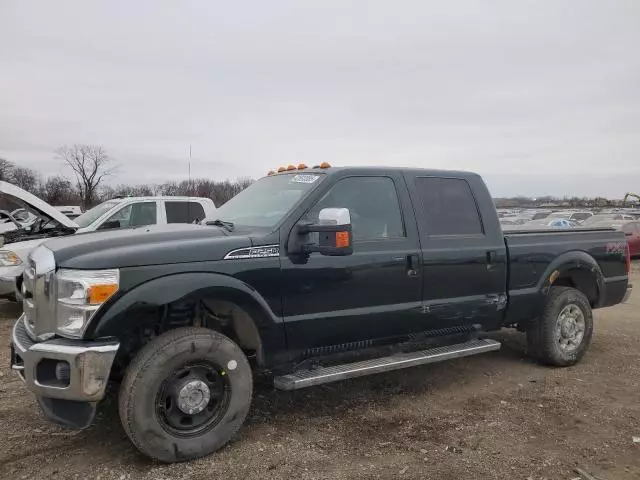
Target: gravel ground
(493, 416)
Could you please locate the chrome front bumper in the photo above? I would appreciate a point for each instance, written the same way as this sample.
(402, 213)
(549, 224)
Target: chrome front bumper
(62, 369)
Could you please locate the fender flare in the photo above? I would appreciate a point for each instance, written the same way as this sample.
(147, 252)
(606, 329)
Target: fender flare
(160, 291)
(573, 260)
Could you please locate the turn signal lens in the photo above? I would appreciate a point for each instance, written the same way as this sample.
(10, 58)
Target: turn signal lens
(342, 239)
(98, 294)
(325, 165)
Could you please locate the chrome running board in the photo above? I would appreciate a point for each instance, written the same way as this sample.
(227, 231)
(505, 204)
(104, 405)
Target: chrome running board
(309, 378)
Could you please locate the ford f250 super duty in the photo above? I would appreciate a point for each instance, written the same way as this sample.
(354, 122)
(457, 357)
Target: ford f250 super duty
(311, 275)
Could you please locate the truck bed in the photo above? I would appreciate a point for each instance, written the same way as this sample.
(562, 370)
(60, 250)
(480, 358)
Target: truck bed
(533, 255)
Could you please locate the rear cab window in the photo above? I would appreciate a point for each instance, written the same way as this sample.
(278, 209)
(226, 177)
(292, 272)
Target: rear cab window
(448, 207)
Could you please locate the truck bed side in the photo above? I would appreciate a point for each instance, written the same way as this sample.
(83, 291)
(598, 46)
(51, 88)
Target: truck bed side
(592, 260)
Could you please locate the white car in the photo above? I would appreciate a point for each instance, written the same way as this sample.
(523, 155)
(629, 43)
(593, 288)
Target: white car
(126, 212)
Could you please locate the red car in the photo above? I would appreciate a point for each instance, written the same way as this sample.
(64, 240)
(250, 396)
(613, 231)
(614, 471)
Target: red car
(632, 231)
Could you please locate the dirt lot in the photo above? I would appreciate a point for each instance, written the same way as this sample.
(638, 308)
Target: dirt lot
(497, 415)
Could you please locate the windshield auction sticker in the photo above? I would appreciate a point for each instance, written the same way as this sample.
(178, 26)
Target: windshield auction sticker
(304, 178)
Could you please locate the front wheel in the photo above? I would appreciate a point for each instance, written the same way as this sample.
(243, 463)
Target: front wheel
(561, 336)
(185, 394)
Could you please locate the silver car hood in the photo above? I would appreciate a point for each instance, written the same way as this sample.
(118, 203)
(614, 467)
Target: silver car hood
(43, 208)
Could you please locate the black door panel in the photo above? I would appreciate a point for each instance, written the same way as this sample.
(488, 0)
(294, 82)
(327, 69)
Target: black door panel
(464, 257)
(333, 300)
(376, 291)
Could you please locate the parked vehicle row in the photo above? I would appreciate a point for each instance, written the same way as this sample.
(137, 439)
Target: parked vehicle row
(627, 223)
(45, 222)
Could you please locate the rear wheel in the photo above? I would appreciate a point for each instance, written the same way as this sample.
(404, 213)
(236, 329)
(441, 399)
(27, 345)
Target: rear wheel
(185, 394)
(562, 334)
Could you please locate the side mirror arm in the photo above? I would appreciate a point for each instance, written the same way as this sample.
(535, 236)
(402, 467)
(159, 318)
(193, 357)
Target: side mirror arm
(333, 240)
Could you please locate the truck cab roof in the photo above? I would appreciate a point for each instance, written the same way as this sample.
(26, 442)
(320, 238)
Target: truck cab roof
(370, 170)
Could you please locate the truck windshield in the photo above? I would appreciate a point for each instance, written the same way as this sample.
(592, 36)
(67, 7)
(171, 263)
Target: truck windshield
(90, 216)
(268, 200)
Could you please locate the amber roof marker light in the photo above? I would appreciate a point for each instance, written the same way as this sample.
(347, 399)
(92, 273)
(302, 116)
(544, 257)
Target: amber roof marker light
(325, 165)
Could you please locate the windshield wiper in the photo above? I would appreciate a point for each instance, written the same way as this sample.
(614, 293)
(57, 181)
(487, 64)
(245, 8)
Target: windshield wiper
(221, 223)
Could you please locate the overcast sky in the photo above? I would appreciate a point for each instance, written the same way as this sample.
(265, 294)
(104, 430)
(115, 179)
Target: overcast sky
(541, 97)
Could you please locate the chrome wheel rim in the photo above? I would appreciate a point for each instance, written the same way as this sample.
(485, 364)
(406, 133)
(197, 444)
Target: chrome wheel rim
(570, 328)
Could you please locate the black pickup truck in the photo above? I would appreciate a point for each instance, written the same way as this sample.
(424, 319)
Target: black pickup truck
(311, 275)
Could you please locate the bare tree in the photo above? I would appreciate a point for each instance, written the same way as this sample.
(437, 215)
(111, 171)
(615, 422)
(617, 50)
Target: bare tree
(90, 164)
(58, 191)
(106, 192)
(6, 169)
(219, 192)
(134, 190)
(25, 178)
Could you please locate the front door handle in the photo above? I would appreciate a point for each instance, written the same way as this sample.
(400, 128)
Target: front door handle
(413, 262)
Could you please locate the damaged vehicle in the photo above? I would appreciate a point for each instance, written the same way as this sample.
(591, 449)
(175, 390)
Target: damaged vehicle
(44, 221)
(34, 222)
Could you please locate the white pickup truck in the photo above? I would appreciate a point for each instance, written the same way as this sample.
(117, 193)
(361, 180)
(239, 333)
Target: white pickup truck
(127, 212)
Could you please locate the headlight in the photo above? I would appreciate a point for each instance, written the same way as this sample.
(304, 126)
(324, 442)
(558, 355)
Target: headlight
(80, 293)
(9, 259)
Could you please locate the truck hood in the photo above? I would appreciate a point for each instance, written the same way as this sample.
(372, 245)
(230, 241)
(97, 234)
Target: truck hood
(23, 197)
(152, 245)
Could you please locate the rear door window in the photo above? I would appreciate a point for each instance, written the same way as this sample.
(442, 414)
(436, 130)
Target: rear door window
(184, 212)
(448, 206)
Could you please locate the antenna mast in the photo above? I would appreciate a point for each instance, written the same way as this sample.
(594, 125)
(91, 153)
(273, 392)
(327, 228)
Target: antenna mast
(190, 186)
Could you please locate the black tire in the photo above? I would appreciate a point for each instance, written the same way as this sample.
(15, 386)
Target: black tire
(542, 334)
(146, 378)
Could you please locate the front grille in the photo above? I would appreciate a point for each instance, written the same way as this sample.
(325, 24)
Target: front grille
(28, 302)
(38, 294)
(22, 336)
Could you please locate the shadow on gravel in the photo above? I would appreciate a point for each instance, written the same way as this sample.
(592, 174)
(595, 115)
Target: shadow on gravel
(10, 310)
(360, 399)
(324, 404)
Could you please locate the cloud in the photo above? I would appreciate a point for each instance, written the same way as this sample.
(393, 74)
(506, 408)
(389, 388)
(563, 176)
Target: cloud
(522, 92)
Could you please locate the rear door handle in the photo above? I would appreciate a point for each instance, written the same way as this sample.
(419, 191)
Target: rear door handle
(492, 256)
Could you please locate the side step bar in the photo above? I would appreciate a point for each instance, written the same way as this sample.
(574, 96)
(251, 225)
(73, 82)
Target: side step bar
(309, 378)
